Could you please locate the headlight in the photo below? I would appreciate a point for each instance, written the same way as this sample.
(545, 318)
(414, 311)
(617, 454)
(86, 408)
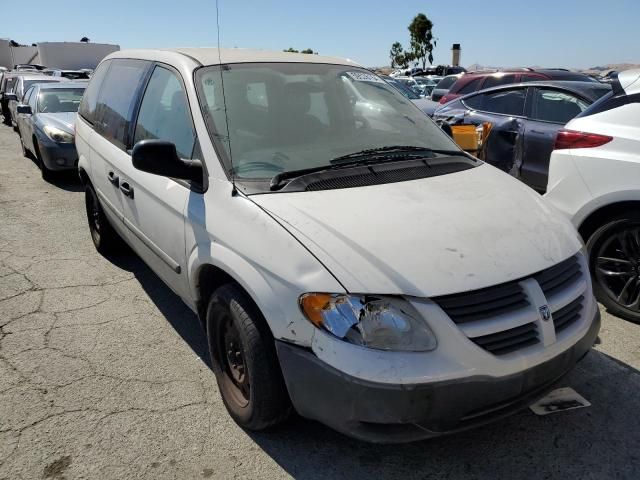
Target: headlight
(382, 323)
(57, 135)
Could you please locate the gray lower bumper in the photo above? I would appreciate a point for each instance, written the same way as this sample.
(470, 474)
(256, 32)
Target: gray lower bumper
(401, 413)
(59, 156)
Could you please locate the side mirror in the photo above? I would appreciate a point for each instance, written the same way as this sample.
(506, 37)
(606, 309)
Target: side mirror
(26, 109)
(10, 96)
(160, 158)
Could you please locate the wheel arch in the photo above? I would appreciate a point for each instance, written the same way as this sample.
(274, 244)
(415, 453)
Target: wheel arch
(597, 218)
(84, 177)
(227, 267)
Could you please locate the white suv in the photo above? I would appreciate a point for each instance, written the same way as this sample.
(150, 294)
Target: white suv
(353, 265)
(594, 178)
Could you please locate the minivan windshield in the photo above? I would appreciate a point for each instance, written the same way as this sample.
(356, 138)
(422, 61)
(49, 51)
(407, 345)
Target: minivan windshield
(284, 117)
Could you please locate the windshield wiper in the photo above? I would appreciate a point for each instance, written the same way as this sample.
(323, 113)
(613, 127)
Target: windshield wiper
(370, 156)
(409, 150)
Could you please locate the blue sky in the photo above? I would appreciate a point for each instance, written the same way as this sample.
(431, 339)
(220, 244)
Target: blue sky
(559, 33)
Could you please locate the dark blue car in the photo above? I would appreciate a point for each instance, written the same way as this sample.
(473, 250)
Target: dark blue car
(525, 119)
(46, 119)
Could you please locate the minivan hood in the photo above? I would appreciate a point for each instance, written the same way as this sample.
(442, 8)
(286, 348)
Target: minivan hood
(428, 237)
(62, 120)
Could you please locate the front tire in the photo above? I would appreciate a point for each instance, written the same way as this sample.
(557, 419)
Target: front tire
(25, 152)
(104, 237)
(44, 171)
(614, 261)
(245, 361)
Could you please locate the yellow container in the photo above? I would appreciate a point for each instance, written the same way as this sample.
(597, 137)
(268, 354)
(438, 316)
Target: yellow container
(467, 137)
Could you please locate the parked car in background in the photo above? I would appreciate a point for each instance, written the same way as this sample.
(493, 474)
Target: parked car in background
(422, 86)
(525, 119)
(472, 82)
(45, 120)
(423, 318)
(28, 67)
(423, 104)
(609, 76)
(594, 178)
(443, 86)
(70, 74)
(21, 85)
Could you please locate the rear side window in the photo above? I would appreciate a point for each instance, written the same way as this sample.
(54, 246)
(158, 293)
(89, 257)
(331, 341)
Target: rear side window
(164, 113)
(446, 83)
(90, 98)
(117, 98)
(469, 87)
(504, 102)
(532, 77)
(555, 106)
(497, 80)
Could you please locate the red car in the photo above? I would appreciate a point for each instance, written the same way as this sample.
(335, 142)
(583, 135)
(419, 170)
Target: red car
(472, 82)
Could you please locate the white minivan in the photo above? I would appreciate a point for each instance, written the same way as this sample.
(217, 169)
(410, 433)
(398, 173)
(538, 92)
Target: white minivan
(347, 260)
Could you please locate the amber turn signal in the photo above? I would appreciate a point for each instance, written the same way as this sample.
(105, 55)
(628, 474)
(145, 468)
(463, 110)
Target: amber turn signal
(312, 305)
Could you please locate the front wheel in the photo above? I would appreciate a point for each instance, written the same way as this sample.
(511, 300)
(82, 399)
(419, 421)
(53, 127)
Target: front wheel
(44, 171)
(245, 361)
(614, 261)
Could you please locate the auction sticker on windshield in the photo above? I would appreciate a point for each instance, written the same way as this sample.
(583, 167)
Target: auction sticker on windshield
(364, 77)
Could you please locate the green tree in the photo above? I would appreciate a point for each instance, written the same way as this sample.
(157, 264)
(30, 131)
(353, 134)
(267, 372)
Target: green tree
(422, 41)
(306, 50)
(396, 55)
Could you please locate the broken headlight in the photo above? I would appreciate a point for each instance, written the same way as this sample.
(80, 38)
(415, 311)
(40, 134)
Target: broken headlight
(382, 323)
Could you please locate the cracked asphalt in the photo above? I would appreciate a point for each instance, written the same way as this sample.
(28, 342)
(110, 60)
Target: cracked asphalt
(103, 374)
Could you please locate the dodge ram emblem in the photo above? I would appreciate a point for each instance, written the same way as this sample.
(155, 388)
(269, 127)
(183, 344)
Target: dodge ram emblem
(545, 313)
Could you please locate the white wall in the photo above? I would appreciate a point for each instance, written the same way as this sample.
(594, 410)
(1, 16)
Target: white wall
(5, 53)
(73, 55)
(24, 55)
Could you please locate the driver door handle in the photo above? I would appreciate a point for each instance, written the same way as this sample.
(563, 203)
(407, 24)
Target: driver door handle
(114, 179)
(126, 189)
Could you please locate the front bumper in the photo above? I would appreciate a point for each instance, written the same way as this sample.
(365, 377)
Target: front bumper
(58, 156)
(400, 413)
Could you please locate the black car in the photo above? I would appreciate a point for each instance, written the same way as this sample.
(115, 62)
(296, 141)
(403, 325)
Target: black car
(525, 119)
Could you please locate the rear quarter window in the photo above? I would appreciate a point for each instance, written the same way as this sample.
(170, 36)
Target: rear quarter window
(446, 82)
(118, 92)
(469, 87)
(90, 98)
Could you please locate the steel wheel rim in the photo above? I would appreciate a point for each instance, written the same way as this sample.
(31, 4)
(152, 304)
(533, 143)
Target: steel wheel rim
(617, 267)
(232, 360)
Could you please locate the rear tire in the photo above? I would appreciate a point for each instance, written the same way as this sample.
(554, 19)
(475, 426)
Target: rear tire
(244, 360)
(104, 237)
(614, 262)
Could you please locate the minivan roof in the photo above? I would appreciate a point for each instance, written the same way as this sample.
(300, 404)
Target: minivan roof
(214, 56)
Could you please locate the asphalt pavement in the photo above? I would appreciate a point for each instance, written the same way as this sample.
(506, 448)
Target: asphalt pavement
(104, 374)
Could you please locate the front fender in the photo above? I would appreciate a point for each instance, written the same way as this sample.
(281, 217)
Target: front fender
(232, 233)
